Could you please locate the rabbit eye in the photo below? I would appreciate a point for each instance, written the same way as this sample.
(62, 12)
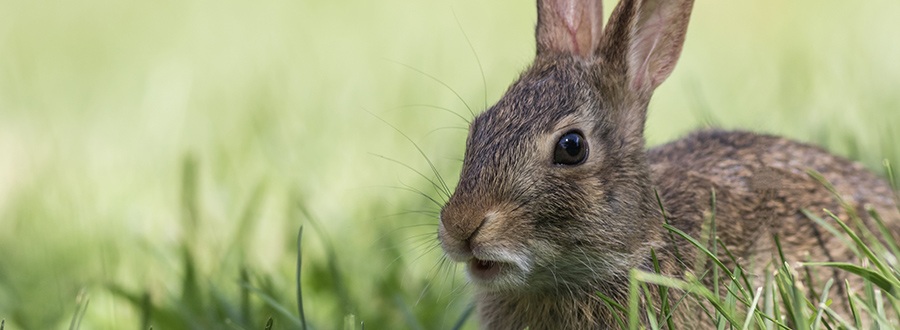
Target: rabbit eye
(571, 149)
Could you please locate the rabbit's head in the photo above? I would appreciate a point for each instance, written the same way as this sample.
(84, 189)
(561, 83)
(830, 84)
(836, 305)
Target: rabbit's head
(555, 186)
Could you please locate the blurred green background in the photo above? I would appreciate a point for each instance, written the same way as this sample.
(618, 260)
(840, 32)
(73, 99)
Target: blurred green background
(160, 156)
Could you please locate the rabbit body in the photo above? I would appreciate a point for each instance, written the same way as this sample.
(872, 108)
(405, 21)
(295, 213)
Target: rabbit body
(557, 198)
(761, 186)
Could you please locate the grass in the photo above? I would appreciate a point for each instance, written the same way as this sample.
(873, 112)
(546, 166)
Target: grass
(158, 159)
(783, 300)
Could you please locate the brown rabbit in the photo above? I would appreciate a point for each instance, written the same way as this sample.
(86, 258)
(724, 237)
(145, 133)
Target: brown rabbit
(557, 195)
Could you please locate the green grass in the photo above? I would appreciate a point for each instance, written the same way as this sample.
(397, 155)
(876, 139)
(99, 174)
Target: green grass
(784, 300)
(157, 159)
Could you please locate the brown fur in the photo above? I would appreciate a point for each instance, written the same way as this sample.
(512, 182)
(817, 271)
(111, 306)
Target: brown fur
(563, 233)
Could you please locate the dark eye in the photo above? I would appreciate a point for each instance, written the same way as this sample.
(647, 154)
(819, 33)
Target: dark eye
(571, 149)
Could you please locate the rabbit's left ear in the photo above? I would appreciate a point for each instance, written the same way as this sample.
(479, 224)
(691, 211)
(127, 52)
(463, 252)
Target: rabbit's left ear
(569, 27)
(644, 38)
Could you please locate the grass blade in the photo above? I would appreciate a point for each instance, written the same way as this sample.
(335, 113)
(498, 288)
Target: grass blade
(752, 310)
(350, 322)
(665, 309)
(464, 317)
(853, 310)
(411, 321)
(648, 308)
(867, 274)
(890, 174)
(331, 255)
(616, 309)
(885, 232)
(823, 304)
(634, 294)
(743, 274)
(81, 304)
(271, 302)
(880, 265)
(834, 231)
(695, 288)
(700, 246)
(297, 279)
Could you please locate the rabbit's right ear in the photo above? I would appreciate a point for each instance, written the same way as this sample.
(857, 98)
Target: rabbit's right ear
(569, 27)
(643, 40)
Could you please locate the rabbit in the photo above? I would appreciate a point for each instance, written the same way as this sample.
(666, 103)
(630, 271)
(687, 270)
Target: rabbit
(557, 194)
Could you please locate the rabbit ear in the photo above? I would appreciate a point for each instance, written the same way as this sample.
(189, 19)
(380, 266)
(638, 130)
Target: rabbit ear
(569, 27)
(644, 38)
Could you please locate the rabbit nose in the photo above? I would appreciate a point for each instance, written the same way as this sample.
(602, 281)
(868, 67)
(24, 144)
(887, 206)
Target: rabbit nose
(463, 228)
(462, 221)
(459, 237)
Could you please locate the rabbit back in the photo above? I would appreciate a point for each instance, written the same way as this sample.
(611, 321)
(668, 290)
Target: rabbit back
(762, 187)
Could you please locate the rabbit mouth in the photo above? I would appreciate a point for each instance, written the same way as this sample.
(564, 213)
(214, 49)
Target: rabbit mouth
(497, 269)
(485, 270)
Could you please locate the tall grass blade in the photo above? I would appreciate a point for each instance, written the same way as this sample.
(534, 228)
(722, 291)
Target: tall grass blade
(787, 288)
(665, 309)
(613, 305)
(711, 239)
(880, 320)
(189, 197)
(615, 308)
(890, 174)
(751, 312)
(795, 297)
(691, 287)
(297, 281)
(247, 220)
(743, 274)
(273, 303)
(879, 309)
(81, 304)
(834, 231)
(145, 307)
(331, 255)
(869, 275)
(839, 321)
(408, 315)
(190, 288)
(634, 296)
(823, 304)
(854, 311)
(662, 210)
(889, 238)
(779, 249)
(731, 297)
(464, 317)
(700, 246)
(245, 308)
(350, 322)
(880, 265)
(771, 303)
(648, 308)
